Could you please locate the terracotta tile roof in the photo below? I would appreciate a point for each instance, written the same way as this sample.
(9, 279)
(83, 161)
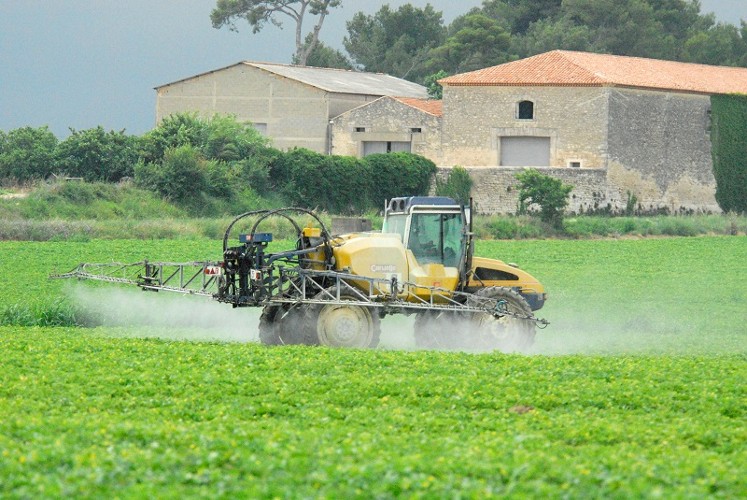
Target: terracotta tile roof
(584, 69)
(430, 106)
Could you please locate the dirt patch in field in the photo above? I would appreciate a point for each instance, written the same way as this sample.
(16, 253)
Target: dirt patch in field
(13, 196)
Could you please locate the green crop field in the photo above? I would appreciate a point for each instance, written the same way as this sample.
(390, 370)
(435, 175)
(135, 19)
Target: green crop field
(637, 388)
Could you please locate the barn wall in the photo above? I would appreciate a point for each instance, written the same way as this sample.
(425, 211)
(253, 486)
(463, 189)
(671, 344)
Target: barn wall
(292, 114)
(387, 119)
(660, 150)
(573, 118)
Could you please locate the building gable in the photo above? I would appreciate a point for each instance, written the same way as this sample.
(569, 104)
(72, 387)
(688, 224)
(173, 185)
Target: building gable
(389, 124)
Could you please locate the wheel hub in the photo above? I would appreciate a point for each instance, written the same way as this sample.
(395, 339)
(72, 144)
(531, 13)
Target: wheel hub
(348, 326)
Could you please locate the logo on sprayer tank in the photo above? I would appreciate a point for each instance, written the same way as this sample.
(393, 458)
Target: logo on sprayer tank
(383, 268)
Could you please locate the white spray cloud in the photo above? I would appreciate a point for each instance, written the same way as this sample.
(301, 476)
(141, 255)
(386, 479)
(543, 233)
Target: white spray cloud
(176, 316)
(165, 314)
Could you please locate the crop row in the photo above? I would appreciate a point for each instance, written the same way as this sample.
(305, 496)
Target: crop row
(656, 295)
(83, 413)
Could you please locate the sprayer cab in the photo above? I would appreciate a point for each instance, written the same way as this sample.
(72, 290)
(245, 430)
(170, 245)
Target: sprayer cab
(435, 229)
(437, 235)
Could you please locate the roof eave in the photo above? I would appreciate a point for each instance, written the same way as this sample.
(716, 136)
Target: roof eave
(583, 85)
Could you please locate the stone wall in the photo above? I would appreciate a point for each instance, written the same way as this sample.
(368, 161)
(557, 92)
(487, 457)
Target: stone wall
(651, 147)
(495, 191)
(660, 150)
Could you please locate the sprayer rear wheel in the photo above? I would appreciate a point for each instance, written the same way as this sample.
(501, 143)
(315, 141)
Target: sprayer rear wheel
(506, 333)
(342, 325)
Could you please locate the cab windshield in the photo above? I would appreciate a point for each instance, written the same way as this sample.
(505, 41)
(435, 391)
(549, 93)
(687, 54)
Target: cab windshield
(395, 224)
(437, 238)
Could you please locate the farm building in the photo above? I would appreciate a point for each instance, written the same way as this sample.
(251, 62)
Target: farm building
(391, 124)
(292, 105)
(620, 129)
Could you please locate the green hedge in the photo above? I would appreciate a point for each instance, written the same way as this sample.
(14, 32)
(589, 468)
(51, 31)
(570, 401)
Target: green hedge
(729, 149)
(347, 185)
(214, 166)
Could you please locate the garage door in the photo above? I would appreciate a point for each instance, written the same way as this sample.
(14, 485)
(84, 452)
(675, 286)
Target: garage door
(522, 151)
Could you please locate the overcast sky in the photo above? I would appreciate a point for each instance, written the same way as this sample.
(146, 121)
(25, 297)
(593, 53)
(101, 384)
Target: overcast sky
(83, 63)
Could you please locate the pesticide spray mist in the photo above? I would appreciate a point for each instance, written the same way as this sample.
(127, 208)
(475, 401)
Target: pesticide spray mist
(165, 314)
(179, 317)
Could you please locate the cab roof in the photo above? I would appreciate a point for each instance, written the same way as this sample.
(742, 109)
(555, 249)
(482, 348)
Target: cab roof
(405, 204)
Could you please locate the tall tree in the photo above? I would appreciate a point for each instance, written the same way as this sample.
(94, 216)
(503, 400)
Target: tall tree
(624, 27)
(721, 45)
(518, 15)
(259, 12)
(27, 153)
(479, 43)
(322, 56)
(395, 41)
(660, 29)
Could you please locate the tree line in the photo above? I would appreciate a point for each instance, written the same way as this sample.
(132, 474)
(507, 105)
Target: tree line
(415, 43)
(206, 163)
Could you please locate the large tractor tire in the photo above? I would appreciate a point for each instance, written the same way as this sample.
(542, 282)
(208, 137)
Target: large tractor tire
(506, 333)
(341, 325)
(282, 325)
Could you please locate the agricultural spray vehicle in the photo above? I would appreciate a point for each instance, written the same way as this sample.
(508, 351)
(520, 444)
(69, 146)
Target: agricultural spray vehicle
(334, 290)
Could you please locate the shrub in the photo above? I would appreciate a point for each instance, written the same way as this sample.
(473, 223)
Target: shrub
(181, 129)
(97, 155)
(335, 184)
(549, 193)
(228, 140)
(26, 154)
(181, 177)
(458, 185)
(729, 150)
(397, 174)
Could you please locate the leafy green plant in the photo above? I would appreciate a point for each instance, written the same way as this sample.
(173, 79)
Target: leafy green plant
(549, 193)
(631, 204)
(97, 155)
(397, 174)
(94, 413)
(435, 90)
(27, 154)
(729, 150)
(181, 177)
(458, 185)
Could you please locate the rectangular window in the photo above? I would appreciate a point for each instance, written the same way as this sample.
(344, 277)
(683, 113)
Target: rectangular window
(261, 128)
(374, 147)
(574, 164)
(525, 151)
(525, 110)
(416, 130)
(360, 129)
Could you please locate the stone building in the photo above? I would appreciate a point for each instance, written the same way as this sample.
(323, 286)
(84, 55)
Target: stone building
(293, 105)
(620, 129)
(389, 124)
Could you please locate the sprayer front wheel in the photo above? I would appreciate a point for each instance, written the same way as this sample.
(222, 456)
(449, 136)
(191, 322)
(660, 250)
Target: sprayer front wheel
(342, 325)
(281, 325)
(509, 333)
